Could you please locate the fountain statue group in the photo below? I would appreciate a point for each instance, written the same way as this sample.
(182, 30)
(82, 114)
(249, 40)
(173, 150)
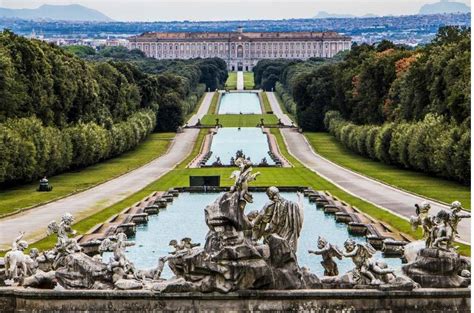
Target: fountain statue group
(242, 251)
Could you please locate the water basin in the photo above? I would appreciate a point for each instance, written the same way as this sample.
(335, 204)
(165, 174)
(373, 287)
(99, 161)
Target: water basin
(252, 141)
(240, 103)
(185, 218)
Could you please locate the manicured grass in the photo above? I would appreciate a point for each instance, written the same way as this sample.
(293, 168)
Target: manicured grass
(239, 120)
(296, 176)
(419, 183)
(18, 198)
(249, 82)
(266, 104)
(213, 106)
(231, 82)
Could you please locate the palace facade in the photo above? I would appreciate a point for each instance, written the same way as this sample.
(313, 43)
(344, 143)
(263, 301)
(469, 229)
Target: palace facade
(241, 50)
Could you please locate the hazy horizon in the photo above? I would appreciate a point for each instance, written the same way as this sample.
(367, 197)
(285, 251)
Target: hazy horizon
(215, 10)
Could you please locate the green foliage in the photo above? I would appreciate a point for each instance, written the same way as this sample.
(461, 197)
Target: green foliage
(80, 51)
(286, 98)
(412, 181)
(400, 106)
(432, 145)
(31, 150)
(58, 111)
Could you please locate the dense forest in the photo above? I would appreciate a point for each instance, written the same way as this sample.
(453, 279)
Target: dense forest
(401, 106)
(59, 111)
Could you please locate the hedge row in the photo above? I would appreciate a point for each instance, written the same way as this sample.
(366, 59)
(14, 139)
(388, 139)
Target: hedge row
(431, 145)
(286, 98)
(31, 150)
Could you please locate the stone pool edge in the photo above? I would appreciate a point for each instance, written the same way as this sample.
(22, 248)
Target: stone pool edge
(14, 299)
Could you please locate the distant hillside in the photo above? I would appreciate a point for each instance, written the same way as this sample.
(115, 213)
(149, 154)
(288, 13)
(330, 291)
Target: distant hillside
(445, 6)
(73, 12)
(323, 14)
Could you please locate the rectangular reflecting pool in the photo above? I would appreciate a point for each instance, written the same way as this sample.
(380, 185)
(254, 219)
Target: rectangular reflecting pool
(251, 140)
(240, 103)
(185, 218)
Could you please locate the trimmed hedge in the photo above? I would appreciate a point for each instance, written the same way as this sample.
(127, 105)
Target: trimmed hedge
(31, 150)
(286, 98)
(431, 145)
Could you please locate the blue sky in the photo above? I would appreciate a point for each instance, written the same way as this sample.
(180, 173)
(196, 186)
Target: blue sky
(166, 10)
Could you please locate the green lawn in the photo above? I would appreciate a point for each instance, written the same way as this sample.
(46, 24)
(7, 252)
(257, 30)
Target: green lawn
(266, 104)
(231, 82)
(21, 197)
(428, 186)
(249, 82)
(239, 120)
(296, 176)
(213, 106)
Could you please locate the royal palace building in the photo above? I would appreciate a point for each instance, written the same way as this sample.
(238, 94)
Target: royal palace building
(241, 50)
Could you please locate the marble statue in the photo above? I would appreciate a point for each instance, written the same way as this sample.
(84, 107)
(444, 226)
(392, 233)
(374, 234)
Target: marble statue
(242, 178)
(281, 217)
(366, 270)
(456, 216)
(117, 244)
(422, 219)
(435, 263)
(64, 245)
(16, 261)
(328, 251)
(440, 234)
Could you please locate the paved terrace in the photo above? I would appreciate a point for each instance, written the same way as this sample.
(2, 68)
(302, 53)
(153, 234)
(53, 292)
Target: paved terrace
(86, 203)
(396, 201)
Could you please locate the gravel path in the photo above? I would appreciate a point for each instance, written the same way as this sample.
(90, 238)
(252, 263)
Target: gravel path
(240, 80)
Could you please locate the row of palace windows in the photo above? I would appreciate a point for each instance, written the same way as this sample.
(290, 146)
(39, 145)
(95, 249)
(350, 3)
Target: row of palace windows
(255, 46)
(252, 55)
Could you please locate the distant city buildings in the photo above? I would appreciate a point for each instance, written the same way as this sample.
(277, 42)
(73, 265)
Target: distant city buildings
(409, 30)
(241, 50)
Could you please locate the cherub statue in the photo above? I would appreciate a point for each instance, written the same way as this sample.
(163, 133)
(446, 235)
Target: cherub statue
(64, 245)
(63, 230)
(117, 244)
(361, 255)
(177, 247)
(456, 216)
(422, 218)
(188, 244)
(440, 236)
(16, 262)
(328, 251)
(242, 179)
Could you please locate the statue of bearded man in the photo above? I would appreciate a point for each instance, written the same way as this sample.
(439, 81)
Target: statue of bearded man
(281, 217)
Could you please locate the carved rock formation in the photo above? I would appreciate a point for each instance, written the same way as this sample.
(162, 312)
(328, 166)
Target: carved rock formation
(435, 268)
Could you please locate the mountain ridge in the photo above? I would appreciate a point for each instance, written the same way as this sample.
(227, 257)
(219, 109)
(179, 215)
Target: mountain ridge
(444, 6)
(70, 12)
